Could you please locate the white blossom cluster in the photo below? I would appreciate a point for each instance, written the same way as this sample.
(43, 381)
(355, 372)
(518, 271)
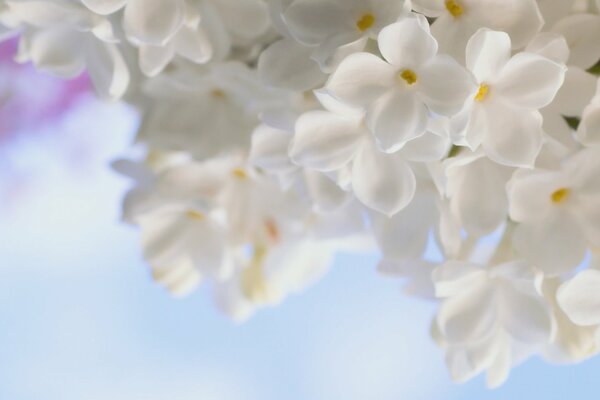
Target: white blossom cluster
(275, 133)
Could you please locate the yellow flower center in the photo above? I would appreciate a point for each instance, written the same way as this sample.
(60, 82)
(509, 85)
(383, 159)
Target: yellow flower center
(254, 284)
(409, 76)
(560, 195)
(482, 93)
(365, 22)
(239, 173)
(218, 94)
(197, 215)
(454, 8)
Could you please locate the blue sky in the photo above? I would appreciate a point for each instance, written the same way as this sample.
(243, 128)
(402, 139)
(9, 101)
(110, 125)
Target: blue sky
(80, 318)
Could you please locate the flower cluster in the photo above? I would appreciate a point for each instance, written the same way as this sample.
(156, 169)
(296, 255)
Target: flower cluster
(275, 133)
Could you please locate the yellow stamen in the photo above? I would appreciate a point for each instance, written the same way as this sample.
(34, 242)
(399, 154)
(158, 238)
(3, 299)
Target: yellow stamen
(454, 8)
(239, 173)
(254, 284)
(560, 195)
(409, 76)
(482, 93)
(272, 231)
(197, 215)
(218, 94)
(365, 22)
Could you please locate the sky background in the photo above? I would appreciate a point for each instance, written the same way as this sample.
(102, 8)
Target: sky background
(80, 318)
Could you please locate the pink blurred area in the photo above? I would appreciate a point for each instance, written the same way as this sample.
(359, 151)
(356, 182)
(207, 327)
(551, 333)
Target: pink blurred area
(51, 130)
(30, 99)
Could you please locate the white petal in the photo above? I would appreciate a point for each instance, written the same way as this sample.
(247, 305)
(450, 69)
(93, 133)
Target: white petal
(445, 85)
(153, 21)
(525, 317)
(383, 182)
(57, 51)
(555, 246)
(588, 131)
(477, 194)
(407, 44)
(269, 149)
(487, 53)
(333, 50)
(396, 118)
(521, 19)
(550, 45)
(469, 316)
(312, 21)
(361, 78)
(453, 35)
(324, 192)
(431, 8)
(530, 81)
(530, 194)
(426, 148)
(51, 14)
(287, 64)
(193, 44)
(153, 59)
(405, 235)
(107, 68)
(576, 92)
(452, 277)
(581, 32)
(325, 141)
(580, 298)
(104, 7)
(245, 19)
(513, 137)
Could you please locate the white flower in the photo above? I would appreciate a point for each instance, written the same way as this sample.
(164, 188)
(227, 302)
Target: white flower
(65, 39)
(457, 20)
(503, 116)
(327, 141)
(579, 298)
(145, 21)
(330, 25)
(558, 212)
(490, 318)
(581, 31)
(175, 234)
(476, 189)
(573, 343)
(401, 92)
(272, 274)
(204, 112)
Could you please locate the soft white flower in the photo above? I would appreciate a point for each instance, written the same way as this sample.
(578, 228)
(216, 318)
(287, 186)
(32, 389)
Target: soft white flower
(503, 117)
(331, 141)
(457, 20)
(558, 212)
(271, 274)
(476, 189)
(145, 21)
(491, 317)
(579, 298)
(331, 26)
(203, 111)
(400, 92)
(64, 38)
(581, 31)
(573, 343)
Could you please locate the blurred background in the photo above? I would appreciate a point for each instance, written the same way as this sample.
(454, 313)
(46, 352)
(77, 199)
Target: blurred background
(81, 319)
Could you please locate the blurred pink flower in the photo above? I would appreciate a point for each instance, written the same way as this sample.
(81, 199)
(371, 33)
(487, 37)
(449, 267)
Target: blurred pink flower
(30, 99)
